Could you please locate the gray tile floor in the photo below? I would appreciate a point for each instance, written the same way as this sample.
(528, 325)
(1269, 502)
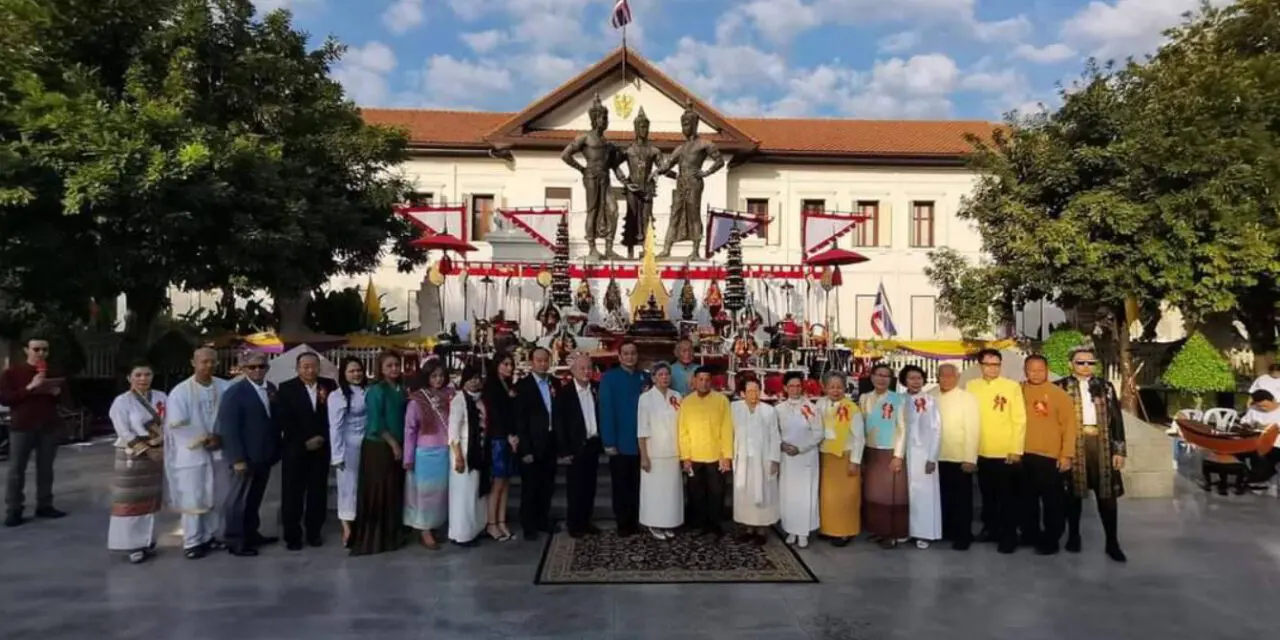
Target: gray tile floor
(1201, 566)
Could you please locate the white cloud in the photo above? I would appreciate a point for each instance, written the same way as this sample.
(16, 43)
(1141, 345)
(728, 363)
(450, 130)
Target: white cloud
(1048, 54)
(545, 71)
(900, 42)
(267, 6)
(780, 21)
(403, 15)
(363, 73)
(541, 25)
(1125, 28)
(712, 69)
(992, 82)
(451, 82)
(484, 41)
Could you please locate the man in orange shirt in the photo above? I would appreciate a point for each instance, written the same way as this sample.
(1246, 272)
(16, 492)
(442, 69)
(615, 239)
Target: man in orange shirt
(1047, 453)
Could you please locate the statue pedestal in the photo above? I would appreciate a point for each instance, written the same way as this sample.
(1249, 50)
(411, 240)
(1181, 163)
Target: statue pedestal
(430, 318)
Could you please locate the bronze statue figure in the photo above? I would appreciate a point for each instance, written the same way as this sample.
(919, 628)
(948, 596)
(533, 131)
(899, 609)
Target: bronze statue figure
(600, 156)
(686, 209)
(641, 157)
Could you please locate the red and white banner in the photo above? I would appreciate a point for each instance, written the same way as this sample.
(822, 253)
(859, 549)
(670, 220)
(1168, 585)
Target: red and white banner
(438, 218)
(621, 16)
(539, 222)
(720, 225)
(821, 228)
(672, 275)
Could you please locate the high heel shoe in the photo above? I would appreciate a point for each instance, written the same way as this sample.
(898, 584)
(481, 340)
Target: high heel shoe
(506, 533)
(491, 528)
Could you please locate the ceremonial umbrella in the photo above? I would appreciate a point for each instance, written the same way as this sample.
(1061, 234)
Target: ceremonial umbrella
(834, 258)
(446, 243)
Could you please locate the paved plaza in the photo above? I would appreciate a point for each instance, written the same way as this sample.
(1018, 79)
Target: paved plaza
(1200, 566)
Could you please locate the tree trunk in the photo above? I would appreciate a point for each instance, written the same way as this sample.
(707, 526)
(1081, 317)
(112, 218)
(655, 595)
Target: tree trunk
(291, 311)
(1258, 315)
(227, 305)
(143, 307)
(1128, 377)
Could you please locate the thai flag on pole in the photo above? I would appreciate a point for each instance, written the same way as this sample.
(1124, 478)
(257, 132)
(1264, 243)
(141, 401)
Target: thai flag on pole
(621, 14)
(882, 316)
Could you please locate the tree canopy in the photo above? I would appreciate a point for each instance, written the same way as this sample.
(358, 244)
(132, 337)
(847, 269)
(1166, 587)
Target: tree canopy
(1153, 182)
(149, 143)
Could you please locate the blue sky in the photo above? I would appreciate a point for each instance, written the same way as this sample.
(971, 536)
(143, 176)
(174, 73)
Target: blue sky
(840, 58)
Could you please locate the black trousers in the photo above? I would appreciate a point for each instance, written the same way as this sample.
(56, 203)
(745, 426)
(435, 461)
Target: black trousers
(244, 502)
(1043, 487)
(1108, 513)
(956, 488)
(706, 497)
(43, 442)
(581, 485)
(304, 493)
(625, 473)
(998, 482)
(537, 484)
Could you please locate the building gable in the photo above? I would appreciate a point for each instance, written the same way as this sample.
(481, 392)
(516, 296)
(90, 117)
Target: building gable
(558, 116)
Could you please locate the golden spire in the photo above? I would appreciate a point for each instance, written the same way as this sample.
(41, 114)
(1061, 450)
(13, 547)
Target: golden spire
(648, 282)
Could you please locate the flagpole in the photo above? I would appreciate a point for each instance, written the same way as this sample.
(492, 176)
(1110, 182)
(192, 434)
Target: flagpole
(624, 54)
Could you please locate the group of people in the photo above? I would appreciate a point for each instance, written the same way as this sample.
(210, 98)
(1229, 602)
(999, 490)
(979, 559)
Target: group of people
(434, 453)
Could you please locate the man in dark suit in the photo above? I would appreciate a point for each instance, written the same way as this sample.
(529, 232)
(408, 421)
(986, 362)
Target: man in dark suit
(575, 414)
(303, 419)
(251, 445)
(536, 445)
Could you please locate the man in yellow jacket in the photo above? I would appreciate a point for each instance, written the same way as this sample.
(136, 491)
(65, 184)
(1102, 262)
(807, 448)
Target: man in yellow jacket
(1003, 418)
(705, 426)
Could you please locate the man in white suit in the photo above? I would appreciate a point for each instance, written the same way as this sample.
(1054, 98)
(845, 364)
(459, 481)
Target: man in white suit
(198, 476)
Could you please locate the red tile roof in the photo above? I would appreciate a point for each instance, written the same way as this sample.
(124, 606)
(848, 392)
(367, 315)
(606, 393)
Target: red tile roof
(780, 136)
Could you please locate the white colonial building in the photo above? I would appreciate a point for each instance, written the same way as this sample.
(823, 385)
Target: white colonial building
(908, 176)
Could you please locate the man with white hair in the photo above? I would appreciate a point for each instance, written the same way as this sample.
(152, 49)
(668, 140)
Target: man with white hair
(251, 446)
(958, 457)
(197, 474)
(575, 417)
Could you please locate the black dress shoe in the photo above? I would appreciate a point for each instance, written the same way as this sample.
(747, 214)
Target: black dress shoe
(215, 545)
(1006, 548)
(839, 542)
(1047, 550)
(14, 519)
(49, 513)
(315, 542)
(591, 530)
(293, 546)
(1114, 552)
(960, 546)
(1073, 544)
(195, 553)
(985, 536)
(243, 552)
(759, 540)
(262, 541)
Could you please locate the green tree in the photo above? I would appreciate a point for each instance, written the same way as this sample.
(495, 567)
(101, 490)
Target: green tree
(1205, 150)
(1057, 349)
(1198, 368)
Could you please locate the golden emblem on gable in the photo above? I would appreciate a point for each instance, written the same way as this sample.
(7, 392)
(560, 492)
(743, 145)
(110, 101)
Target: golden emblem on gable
(623, 104)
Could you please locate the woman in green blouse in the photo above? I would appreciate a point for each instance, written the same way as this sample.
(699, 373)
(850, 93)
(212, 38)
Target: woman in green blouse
(378, 526)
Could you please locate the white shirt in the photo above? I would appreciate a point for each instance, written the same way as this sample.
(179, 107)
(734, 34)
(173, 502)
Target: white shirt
(1088, 412)
(1267, 382)
(588, 403)
(262, 395)
(311, 392)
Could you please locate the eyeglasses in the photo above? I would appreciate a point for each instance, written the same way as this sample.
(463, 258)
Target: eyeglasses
(990, 364)
(1085, 363)
(254, 367)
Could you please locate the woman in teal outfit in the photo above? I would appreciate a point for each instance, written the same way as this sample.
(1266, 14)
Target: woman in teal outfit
(379, 526)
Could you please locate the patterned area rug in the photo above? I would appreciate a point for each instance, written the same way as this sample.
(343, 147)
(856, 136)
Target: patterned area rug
(641, 559)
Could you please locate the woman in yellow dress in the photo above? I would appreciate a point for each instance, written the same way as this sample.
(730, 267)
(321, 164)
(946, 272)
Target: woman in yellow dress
(840, 487)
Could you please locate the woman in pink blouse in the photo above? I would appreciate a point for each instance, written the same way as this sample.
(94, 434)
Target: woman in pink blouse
(426, 454)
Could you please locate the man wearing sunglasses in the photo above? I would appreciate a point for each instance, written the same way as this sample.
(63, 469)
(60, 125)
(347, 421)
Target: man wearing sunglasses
(1100, 450)
(251, 445)
(32, 398)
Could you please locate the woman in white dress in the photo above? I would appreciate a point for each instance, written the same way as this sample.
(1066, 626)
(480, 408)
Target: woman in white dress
(470, 456)
(757, 458)
(661, 486)
(347, 416)
(138, 486)
(802, 434)
(924, 442)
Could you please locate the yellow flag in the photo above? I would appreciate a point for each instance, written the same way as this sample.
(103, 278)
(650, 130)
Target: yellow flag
(372, 306)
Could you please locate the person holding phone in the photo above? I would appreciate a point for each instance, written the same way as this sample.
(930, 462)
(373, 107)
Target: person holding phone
(34, 426)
